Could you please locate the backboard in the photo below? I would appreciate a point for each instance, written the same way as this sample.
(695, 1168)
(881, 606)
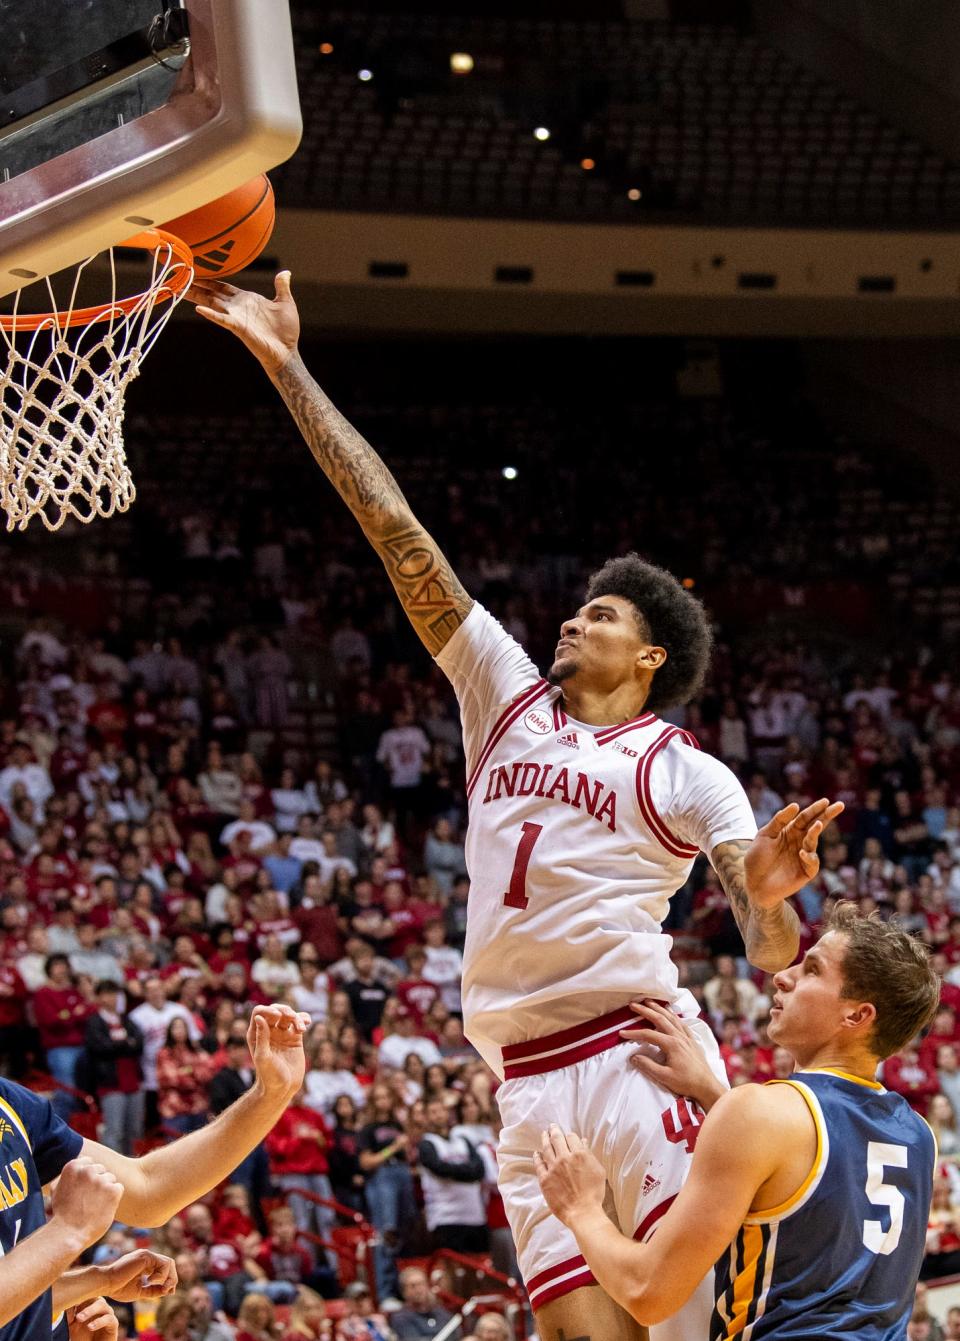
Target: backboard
(116, 115)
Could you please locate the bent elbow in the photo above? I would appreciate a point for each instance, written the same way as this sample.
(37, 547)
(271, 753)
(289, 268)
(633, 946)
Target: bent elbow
(644, 1310)
(649, 1308)
(647, 1304)
(768, 963)
(774, 958)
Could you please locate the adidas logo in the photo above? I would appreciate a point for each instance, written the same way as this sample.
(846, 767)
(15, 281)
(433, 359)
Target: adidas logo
(650, 1184)
(569, 739)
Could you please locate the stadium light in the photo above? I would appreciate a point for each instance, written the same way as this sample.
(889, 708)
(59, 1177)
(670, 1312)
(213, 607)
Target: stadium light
(461, 62)
(365, 75)
(326, 48)
(509, 472)
(541, 133)
(634, 193)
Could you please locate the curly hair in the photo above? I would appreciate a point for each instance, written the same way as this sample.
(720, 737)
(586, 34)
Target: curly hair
(669, 616)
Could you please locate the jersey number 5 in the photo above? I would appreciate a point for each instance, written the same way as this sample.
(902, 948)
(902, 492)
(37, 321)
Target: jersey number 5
(515, 896)
(880, 1155)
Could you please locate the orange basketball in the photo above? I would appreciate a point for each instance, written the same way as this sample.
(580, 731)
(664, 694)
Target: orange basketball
(229, 233)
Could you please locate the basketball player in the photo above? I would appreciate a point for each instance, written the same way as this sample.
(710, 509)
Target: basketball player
(812, 1193)
(586, 814)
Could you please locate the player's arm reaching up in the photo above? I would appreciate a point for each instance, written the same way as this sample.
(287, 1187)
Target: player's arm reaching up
(435, 602)
(759, 874)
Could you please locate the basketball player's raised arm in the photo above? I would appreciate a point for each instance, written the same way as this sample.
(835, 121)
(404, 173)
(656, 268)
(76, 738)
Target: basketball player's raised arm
(435, 602)
(758, 876)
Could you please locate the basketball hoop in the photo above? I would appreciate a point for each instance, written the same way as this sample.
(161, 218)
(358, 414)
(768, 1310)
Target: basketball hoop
(62, 402)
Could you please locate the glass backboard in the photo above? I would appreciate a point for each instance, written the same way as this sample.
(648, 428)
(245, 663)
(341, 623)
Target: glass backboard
(119, 114)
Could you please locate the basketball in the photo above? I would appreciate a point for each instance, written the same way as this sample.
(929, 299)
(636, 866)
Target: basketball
(229, 233)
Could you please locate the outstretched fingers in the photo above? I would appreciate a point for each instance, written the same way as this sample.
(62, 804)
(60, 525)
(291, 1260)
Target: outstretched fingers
(809, 843)
(208, 290)
(822, 811)
(780, 820)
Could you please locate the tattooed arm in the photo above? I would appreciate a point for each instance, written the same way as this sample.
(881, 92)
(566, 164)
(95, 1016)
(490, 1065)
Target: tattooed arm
(435, 602)
(759, 876)
(771, 935)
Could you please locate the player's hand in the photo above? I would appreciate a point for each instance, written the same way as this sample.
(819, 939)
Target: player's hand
(138, 1275)
(86, 1199)
(571, 1177)
(682, 1066)
(269, 327)
(275, 1039)
(93, 1319)
(783, 856)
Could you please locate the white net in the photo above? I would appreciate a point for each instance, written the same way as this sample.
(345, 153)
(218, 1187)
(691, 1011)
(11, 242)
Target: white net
(62, 395)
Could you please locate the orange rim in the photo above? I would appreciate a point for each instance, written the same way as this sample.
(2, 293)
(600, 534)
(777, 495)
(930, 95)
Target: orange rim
(172, 285)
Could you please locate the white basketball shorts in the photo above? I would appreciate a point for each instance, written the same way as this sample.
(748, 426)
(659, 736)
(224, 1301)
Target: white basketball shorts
(643, 1136)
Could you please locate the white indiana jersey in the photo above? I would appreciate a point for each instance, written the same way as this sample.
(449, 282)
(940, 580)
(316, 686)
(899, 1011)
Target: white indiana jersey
(577, 838)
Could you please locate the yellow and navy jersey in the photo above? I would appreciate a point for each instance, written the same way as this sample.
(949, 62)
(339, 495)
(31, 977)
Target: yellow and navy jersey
(34, 1146)
(841, 1257)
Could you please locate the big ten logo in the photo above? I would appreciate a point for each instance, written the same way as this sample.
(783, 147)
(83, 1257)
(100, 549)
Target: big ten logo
(538, 722)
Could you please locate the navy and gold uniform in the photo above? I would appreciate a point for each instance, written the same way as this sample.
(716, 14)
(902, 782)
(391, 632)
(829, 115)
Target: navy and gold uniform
(34, 1146)
(841, 1257)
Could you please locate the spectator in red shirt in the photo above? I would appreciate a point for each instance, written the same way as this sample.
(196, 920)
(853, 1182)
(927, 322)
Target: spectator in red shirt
(13, 1028)
(242, 861)
(107, 717)
(184, 1070)
(942, 1030)
(405, 918)
(297, 1149)
(114, 1046)
(413, 990)
(906, 1074)
(317, 920)
(221, 1262)
(285, 1260)
(61, 1013)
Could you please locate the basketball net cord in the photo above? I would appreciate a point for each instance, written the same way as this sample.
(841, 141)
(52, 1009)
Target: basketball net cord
(62, 402)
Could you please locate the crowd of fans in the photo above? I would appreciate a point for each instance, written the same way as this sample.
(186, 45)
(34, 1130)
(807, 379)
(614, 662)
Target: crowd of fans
(168, 858)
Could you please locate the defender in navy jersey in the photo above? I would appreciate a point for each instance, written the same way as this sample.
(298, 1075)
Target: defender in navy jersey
(34, 1146)
(810, 1194)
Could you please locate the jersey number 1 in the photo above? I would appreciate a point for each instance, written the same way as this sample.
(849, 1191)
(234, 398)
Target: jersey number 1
(515, 896)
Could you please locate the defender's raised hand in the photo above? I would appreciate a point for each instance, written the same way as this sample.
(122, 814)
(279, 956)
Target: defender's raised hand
(269, 327)
(783, 856)
(275, 1039)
